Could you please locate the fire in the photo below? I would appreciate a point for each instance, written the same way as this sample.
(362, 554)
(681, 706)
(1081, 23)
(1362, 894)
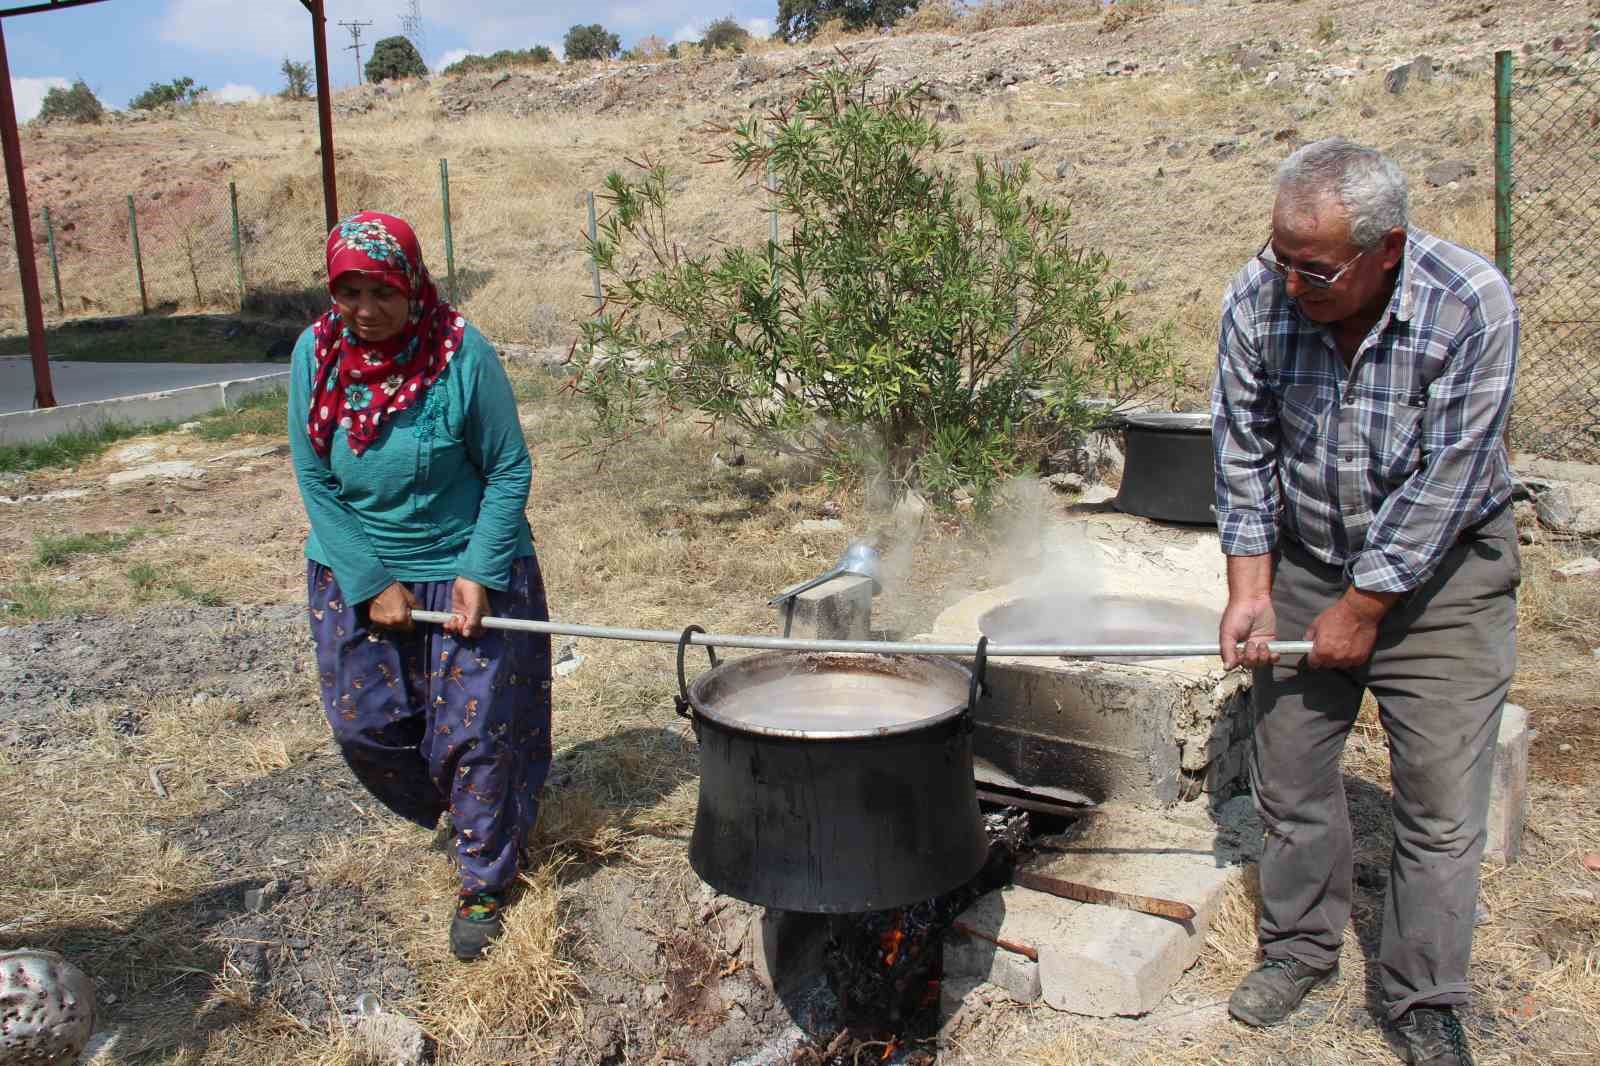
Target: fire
(890, 1049)
(889, 943)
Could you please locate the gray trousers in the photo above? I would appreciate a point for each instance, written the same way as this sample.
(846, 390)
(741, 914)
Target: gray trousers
(1440, 671)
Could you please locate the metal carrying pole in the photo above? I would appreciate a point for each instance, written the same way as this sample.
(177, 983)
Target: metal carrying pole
(449, 233)
(878, 647)
(55, 263)
(238, 243)
(138, 260)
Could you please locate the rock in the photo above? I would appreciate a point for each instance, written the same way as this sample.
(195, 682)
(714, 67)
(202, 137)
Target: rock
(1066, 482)
(260, 452)
(1564, 749)
(1591, 862)
(1178, 149)
(188, 427)
(1064, 169)
(1588, 566)
(1029, 144)
(1452, 170)
(1250, 61)
(46, 1008)
(48, 497)
(908, 515)
(387, 1038)
(129, 454)
(172, 469)
(1224, 150)
(819, 525)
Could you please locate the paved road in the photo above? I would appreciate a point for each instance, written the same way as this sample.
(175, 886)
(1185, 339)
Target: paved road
(76, 382)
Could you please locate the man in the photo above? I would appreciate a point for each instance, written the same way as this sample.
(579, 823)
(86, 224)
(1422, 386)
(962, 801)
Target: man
(1364, 377)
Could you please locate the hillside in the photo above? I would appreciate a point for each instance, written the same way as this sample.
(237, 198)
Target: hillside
(1162, 135)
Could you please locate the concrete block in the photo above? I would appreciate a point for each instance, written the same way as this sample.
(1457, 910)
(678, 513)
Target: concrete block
(840, 609)
(786, 946)
(1508, 793)
(1017, 916)
(172, 405)
(1105, 960)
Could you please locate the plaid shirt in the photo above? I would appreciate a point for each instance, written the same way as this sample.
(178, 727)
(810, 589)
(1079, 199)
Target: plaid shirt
(1377, 467)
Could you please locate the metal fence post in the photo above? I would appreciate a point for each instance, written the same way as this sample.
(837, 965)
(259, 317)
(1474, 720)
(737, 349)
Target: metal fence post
(238, 243)
(138, 261)
(449, 232)
(1502, 162)
(55, 264)
(594, 264)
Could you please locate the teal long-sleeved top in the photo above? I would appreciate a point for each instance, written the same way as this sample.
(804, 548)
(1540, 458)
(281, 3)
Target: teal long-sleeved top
(440, 494)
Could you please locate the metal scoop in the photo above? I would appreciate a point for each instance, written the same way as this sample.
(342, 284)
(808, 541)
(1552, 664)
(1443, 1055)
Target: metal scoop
(860, 558)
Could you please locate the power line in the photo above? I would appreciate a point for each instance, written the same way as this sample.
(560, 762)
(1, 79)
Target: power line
(355, 29)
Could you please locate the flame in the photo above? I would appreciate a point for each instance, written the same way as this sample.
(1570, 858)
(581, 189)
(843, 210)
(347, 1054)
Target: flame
(888, 1052)
(889, 943)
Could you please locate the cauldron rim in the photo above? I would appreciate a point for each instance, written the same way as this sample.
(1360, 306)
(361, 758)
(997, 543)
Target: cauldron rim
(702, 708)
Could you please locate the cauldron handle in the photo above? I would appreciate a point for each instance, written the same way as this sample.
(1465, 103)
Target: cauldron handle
(980, 666)
(682, 698)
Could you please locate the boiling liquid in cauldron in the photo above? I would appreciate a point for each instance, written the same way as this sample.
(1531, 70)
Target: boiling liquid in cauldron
(832, 701)
(1066, 619)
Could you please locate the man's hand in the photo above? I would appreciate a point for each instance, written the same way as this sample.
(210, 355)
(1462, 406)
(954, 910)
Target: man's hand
(469, 603)
(1342, 636)
(1249, 618)
(391, 608)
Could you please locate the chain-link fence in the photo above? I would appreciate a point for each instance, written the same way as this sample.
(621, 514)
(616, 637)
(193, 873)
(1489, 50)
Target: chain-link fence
(1547, 203)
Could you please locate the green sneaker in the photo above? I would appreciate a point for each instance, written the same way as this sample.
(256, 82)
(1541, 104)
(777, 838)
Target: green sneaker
(477, 924)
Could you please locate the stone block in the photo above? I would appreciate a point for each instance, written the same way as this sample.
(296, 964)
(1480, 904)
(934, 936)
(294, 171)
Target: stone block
(1105, 961)
(786, 946)
(1016, 916)
(840, 609)
(1508, 794)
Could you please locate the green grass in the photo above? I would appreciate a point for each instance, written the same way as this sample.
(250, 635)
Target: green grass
(55, 550)
(70, 449)
(27, 600)
(178, 339)
(265, 414)
(144, 576)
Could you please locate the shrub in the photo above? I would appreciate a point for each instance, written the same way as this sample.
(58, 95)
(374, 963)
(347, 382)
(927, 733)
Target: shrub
(296, 79)
(936, 326)
(647, 49)
(77, 104)
(591, 42)
(178, 92)
(395, 57)
(799, 20)
(725, 32)
(506, 57)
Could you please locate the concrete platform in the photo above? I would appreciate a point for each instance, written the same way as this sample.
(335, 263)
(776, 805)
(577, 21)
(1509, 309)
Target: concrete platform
(81, 382)
(1155, 731)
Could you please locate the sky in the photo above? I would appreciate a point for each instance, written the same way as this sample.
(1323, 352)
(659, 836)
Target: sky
(237, 47)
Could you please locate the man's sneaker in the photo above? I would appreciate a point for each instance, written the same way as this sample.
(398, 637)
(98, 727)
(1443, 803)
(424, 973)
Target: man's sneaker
(1434, 1037)
(1270, 992)
(476, 925)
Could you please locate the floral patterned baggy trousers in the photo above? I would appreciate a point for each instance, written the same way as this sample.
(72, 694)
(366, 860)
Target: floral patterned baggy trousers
(428, 721)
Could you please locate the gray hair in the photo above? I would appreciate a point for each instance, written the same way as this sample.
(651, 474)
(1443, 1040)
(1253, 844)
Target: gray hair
(1366, 183)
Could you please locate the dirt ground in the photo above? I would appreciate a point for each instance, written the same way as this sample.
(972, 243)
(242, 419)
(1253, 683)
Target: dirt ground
(161, 743)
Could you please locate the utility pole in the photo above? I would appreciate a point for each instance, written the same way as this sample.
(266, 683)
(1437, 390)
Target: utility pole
(411, 25)
(355, 29)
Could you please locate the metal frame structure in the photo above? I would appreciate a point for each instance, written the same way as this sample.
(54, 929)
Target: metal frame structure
(17, 185)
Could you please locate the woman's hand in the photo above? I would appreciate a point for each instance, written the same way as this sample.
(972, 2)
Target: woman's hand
(391, 608)
(469, 603)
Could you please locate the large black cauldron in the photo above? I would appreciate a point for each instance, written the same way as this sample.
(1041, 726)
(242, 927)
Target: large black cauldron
(1167, 467)
(833, 783)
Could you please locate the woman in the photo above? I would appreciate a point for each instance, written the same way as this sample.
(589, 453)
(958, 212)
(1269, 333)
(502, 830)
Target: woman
(415, 477)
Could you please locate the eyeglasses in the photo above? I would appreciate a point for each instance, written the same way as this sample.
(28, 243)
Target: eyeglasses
(1315, 280)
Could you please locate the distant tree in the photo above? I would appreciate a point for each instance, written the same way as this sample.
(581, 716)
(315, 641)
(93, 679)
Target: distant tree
(725, 33)
(296, 79)
(591, 42)
(395, 57)
(175, 93)
(538, 55)
(77, 104)
(647, 49)
(799, 20)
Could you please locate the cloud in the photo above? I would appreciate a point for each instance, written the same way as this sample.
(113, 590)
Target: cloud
(455, 55)
(233, 93)
(29, 94)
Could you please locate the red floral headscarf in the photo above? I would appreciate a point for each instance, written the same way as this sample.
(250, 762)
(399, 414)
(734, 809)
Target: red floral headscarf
(359, 385)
